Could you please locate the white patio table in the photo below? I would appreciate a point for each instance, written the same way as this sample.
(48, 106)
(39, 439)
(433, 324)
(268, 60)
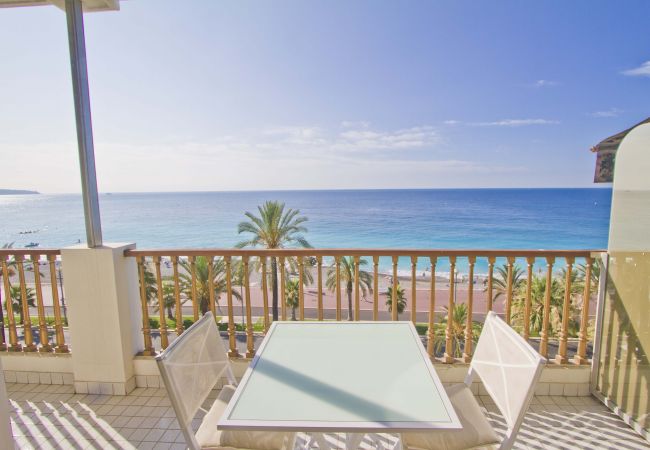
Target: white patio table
(353, 377)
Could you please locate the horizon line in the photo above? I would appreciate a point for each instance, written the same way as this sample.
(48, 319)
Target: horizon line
(601, 186)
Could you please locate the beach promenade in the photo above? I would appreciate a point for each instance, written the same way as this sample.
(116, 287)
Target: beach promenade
(423, 289)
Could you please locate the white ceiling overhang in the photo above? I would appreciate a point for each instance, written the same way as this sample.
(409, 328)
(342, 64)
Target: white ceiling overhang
(88, 5)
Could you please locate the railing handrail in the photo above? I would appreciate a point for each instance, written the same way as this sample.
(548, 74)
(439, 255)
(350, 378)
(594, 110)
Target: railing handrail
(363, 252)
(23, 259)
(29, 251)
(184, 259)
(576, 253)
(184, 263)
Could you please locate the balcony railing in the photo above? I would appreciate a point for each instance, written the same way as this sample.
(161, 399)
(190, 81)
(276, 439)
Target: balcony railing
(546, 308)
(26, 274)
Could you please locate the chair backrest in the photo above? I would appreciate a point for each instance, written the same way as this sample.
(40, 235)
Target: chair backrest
(509, 369)
(190, 368)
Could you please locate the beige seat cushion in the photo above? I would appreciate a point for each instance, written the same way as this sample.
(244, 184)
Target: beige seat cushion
(476, 431)
(209, 437)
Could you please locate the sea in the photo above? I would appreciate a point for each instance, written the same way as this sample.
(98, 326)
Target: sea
(418, 218)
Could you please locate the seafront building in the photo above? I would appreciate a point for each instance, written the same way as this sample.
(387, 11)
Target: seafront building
(81, 372)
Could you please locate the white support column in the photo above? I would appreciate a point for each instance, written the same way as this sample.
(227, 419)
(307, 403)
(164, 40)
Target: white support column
(78, 64)
(104, 317)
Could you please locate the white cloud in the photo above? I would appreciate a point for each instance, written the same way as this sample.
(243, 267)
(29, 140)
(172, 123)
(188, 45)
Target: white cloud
(612, 112)
(299, 131)
(314, 171)
(357, 124)
(409, 138)
(516, 123)
(545, 83)
(505, 123)
(299, 140)
(281, 157)
(301, 143)
(642, 71)
(295, 135)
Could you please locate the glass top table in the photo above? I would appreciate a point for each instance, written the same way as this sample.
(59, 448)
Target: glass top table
(341, 377)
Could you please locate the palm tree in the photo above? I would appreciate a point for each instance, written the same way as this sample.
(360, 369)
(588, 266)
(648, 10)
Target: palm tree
(169, 300)
(10, 272)
(594, 278)
(291, 267)
(401, 299)
(346, 275)
(238, 280)
(275, 227)
(577, 280)
(595, 275)
(538, 293)
(150, 285)
(15, 292)
(151, 290)
(202, 271)
(292, 291)
(500, 280)
(458, 324)
(16, 298)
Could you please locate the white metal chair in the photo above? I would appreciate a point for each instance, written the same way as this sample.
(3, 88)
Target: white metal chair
(509, 369)
(190, 368)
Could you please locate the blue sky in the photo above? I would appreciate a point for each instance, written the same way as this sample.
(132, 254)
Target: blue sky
(241, 95)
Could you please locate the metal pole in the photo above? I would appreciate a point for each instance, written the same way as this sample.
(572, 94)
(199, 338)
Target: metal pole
(65, 309)
(76, 40)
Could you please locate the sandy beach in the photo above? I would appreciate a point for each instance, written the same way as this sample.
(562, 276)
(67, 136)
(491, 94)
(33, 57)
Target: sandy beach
(329, 297)
(366, 304)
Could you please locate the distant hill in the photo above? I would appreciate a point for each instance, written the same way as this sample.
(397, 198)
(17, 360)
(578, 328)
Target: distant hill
(16, 192)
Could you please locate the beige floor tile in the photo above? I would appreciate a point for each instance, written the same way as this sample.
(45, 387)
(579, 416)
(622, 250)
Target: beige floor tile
(134, 422)
(170, 436)
(162, 446)
(154, 435)
(52, 416)
(149, 422)
(546, 400)
(139, 434)
(165, 422)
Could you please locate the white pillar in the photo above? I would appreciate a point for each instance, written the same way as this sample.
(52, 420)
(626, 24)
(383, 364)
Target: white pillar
(104, 316)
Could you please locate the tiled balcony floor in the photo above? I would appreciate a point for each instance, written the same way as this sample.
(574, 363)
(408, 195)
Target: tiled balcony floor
(52, 416)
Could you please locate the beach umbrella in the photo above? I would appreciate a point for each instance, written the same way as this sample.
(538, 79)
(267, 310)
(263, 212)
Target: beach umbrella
(74, 10)
(606, 154)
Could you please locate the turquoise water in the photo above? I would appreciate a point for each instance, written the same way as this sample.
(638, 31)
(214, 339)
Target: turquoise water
(440, 218)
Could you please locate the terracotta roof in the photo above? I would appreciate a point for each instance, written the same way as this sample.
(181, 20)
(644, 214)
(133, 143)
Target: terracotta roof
(606, 154)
